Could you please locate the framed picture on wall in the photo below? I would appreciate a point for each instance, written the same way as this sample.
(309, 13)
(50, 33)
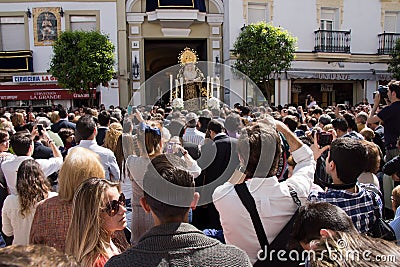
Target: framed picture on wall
(46, 25)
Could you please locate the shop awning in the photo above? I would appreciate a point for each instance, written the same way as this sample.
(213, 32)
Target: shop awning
(38, 92)
(341, 76)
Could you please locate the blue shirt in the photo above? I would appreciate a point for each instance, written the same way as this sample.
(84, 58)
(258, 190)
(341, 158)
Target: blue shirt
(2, 242)
(359, 206)
(395, 224)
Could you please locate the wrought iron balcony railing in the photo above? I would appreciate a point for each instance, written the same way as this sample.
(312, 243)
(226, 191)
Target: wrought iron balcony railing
(332, 41)
(387, 41)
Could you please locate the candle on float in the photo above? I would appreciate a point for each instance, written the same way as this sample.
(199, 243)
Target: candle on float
(208, 87)
(182, 88)
(170, 88)
(176, 87)
(217, 81)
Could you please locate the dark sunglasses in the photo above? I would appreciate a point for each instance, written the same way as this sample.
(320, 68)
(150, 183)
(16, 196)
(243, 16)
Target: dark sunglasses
(112, 207)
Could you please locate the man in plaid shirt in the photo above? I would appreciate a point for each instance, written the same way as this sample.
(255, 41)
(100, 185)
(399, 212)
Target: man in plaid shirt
(345, 162)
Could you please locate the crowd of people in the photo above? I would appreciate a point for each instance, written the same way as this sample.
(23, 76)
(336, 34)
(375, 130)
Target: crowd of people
(219, 187)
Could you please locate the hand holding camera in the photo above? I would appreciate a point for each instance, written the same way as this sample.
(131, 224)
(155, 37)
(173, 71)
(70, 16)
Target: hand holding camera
(381, 95)
(322, 141)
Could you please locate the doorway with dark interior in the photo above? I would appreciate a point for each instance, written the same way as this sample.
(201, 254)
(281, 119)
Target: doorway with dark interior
(161, 54)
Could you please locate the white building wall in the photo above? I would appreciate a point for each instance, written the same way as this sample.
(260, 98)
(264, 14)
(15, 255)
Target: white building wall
(233, 25)
(363, 18)
(299, 18)
(233, 21)
(42, 54)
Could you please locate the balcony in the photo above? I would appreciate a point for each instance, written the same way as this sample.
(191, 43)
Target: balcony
(327, 41)
(387, 42)
(16, 61)
(153, 5)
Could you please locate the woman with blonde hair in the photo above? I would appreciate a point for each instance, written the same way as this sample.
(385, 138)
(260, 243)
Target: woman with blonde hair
(54, 117)
(79, 165)
(111, 137)
(18, 210)
(352, 249)
(98, 211)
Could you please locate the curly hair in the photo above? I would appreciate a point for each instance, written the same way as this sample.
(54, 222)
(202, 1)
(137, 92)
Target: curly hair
(112, 135)
(32, 185)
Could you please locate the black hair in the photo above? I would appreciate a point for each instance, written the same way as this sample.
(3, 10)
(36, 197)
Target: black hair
(315, 216)
(215, 126)
(344, 150)
(85, 127)
(351, 121)
(340, 124)
(394, 86)
(62, 112)
(104, 118)
(21, 142)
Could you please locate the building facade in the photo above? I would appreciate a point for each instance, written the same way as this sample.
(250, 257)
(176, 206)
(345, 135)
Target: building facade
(156, 33)
(342, 51)
(341, 57)
(27, 32)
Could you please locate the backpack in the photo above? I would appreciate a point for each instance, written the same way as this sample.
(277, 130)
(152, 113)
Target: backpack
(280, 242)
(380, 229)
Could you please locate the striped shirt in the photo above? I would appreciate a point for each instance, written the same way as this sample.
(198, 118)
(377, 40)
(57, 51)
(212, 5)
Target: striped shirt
(359, 206)
(194, 136)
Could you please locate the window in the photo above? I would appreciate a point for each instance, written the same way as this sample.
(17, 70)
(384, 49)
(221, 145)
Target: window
(256, 12)
(12, 33)
(391, 22)
(328, 19)
(83, 22)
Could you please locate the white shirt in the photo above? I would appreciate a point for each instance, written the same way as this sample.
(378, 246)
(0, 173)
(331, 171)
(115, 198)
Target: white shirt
(16, 224)
(10, 168)
(107, 158)
(274, 204)
(194, 136)
(313, 103)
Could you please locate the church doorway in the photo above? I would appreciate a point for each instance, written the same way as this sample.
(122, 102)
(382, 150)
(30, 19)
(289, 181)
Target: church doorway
(161, 54)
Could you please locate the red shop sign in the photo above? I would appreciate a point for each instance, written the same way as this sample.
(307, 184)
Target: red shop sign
(12, 93)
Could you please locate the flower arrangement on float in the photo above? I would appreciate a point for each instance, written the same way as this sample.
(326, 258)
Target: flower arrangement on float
(213, 103)
(178, 104)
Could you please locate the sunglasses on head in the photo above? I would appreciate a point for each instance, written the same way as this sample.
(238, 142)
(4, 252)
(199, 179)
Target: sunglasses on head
(112, 207)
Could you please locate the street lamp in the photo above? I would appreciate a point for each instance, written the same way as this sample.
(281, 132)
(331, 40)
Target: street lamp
(28, 13)
(61, 12)
(135, 69)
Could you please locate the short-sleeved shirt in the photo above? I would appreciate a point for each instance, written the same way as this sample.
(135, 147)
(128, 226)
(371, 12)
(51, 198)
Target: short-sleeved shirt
(391, 118)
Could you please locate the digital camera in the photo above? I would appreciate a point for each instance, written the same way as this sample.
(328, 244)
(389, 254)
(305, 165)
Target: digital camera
(324, 138)
(383, 91)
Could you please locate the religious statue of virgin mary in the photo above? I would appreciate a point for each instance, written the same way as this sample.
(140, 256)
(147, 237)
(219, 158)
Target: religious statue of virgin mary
(191, 74)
